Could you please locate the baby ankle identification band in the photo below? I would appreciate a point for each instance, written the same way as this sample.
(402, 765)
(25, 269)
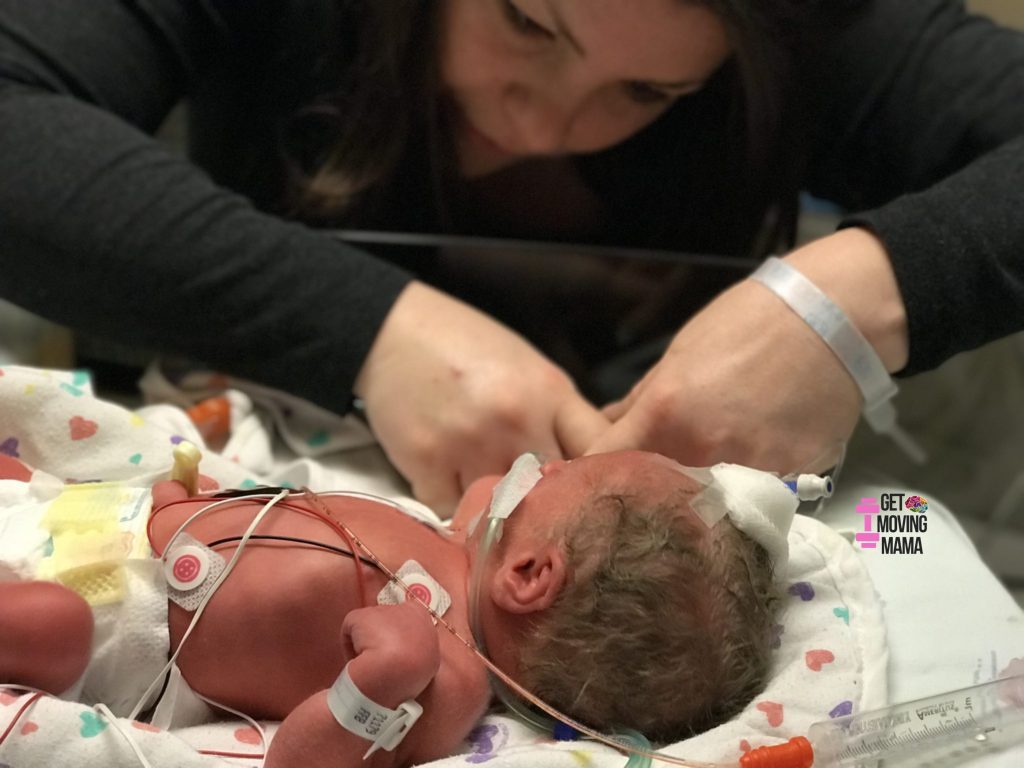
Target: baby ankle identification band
(855, 353)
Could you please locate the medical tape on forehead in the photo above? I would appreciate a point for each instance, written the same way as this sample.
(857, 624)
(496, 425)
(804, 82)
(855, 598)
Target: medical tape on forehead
(513, 487)
(757, 503)
(709, 503)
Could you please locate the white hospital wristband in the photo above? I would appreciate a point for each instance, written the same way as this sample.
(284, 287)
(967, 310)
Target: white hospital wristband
(853, 350)
(366, 718)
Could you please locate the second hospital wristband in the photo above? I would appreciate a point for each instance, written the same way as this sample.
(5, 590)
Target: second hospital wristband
(859, 358)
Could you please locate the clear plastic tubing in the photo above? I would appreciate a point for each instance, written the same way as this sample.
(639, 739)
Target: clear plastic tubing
(947, 729)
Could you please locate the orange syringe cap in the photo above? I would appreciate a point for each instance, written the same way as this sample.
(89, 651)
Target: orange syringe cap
(795, 753)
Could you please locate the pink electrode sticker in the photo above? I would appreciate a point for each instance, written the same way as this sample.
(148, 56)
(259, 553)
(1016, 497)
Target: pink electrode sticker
(190, 569)
(187, 568)
(421, 592)
(421, 585)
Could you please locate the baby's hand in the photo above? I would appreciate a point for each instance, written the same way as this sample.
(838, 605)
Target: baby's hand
(1015, 667)
(1012, 690)
(394, 649)
(393, 654)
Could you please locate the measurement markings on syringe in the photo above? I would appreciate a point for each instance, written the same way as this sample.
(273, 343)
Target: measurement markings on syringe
(879, 723)
(941, 731)
(895, 741)
(937, 709)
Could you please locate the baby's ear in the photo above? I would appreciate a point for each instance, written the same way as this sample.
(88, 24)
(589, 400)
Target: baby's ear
(167, 491)
(529, 579)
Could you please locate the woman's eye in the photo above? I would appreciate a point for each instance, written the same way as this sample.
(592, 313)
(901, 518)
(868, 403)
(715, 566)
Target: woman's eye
(642, 93)
(522, 23)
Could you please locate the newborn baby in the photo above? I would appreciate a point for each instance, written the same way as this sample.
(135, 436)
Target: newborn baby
(607, 596)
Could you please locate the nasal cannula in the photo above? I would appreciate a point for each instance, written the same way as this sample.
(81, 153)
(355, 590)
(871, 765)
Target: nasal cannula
(946, 729)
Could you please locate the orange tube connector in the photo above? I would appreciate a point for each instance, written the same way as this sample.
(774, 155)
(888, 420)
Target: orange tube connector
(795, 753)
(212, 417)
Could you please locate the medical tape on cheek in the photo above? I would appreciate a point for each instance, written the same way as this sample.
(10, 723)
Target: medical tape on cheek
(513, 487)
(191, 569)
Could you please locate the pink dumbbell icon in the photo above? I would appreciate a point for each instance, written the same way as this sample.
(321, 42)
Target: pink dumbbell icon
(868, 539)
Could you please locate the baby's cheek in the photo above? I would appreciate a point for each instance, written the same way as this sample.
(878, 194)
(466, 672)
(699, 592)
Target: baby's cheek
(476, 497)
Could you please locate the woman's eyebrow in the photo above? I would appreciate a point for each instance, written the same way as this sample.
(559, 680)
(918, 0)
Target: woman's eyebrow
(560, 28)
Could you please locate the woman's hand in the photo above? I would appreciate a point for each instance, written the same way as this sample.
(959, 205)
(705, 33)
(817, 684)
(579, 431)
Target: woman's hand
(747, 380)
(453, 395)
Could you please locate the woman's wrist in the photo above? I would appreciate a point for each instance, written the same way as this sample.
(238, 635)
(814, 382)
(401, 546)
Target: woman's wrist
(852, 268)
(415, 305)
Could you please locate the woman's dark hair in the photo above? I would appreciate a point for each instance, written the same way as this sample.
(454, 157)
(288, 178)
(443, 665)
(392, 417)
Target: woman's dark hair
(767, 117)
(382, 114)
(743, 133)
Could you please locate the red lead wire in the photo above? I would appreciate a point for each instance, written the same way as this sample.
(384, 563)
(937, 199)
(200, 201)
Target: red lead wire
(17, 715)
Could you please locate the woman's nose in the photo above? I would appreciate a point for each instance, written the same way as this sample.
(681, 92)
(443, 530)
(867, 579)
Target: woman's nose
(541, 122)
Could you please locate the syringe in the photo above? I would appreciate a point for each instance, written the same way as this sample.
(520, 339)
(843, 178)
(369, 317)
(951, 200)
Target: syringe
(948, 729)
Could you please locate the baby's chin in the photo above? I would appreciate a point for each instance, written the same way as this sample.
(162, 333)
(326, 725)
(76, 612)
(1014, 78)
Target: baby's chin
(475, 499)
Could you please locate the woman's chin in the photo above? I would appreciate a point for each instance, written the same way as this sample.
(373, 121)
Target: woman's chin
(474, 165)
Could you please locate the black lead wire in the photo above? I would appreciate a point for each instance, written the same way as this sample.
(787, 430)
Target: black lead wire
(297, 540)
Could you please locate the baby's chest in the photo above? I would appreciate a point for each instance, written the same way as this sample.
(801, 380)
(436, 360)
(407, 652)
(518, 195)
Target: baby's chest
(271, 635)
(277, 588)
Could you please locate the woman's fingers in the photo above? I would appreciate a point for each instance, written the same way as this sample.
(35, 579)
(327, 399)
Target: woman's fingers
(453, 395)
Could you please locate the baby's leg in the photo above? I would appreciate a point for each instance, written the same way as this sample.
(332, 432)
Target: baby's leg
(45, 635)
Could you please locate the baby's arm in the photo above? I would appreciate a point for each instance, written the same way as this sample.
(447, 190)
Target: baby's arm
(394, 654)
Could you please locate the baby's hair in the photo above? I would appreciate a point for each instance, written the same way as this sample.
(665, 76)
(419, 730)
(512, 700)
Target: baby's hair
(663, 625)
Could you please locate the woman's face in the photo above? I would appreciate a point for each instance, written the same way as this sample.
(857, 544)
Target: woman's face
(554, 77)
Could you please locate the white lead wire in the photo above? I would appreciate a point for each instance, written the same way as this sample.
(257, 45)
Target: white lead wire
(213, 590)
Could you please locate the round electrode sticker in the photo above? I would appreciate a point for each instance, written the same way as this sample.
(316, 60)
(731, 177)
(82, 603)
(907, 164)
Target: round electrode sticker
(421, 585)
(420, 589)
(186, 568)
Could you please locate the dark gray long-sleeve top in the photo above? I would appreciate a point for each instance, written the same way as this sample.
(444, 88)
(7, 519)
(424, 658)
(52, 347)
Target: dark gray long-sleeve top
(919, 125)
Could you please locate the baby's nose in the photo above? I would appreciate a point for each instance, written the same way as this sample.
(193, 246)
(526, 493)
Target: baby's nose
(552, 466)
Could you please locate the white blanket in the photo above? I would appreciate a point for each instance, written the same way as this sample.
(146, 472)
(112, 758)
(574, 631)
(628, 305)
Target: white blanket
(831, 656)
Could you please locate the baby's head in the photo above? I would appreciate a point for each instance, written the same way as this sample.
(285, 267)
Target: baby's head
(609, 598)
